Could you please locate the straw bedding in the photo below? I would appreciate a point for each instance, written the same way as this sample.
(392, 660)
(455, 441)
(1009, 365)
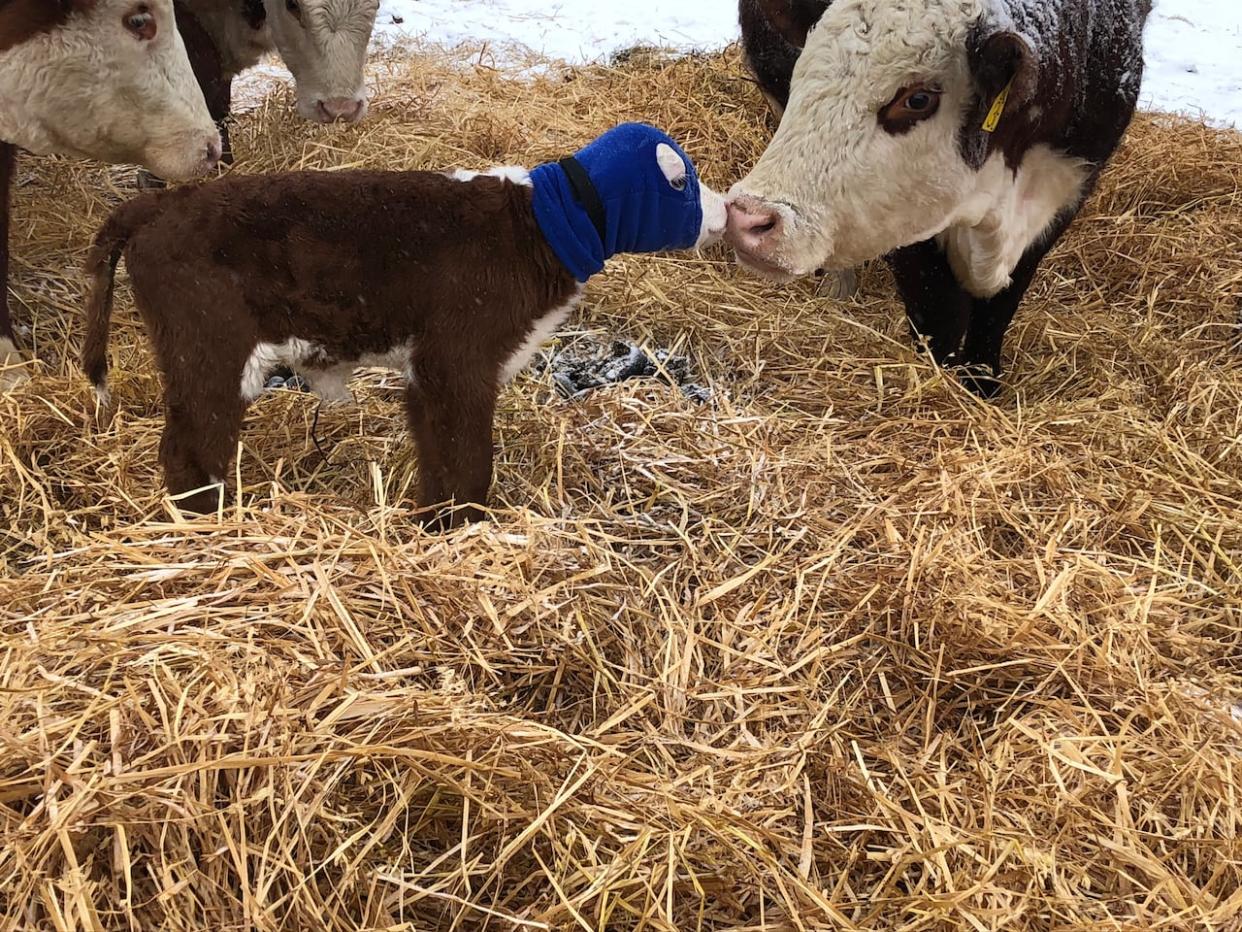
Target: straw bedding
(841, 648)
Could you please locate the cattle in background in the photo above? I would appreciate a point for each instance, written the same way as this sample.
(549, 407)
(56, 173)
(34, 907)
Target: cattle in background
(104, 79)
(322, 42)
(958, 138)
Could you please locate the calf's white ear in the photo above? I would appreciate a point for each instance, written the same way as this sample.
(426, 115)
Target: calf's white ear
(671, 165)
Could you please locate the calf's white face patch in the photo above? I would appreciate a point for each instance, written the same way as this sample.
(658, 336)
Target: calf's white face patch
(324, 43)
(869, 157)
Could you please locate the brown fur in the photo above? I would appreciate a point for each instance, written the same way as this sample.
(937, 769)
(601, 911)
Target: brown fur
(24, 19)
(353, 262)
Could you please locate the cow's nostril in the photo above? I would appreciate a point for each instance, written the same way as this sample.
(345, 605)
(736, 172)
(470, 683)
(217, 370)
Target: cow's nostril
(214, 152)
(344, 109)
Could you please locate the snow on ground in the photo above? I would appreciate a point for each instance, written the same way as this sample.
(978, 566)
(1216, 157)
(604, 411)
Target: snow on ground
(1194, 47)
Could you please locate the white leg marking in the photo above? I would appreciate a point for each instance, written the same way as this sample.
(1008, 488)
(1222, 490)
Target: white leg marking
(539, 334)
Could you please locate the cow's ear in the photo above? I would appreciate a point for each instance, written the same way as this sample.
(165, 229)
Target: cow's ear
(1005, 67)
(793, 19)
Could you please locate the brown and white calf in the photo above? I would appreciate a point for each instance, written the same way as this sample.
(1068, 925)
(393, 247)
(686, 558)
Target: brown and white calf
(456, 279)
(104, 79)
(956, 138)
(322, 42)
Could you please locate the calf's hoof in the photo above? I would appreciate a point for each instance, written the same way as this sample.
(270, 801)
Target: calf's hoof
(982, 381)
(15, 369)
(200, 501)
(441, 518)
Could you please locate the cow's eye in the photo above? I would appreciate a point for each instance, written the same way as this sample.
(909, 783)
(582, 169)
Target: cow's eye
(678, 184)
(911, 105)
(294, 7)
(140, 21)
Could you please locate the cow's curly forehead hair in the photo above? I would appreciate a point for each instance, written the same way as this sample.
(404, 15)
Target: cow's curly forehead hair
(859, 45)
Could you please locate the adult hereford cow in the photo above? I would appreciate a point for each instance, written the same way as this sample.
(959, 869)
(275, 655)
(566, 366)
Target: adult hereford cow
(956, 138)
(105, 79)
(323, 43)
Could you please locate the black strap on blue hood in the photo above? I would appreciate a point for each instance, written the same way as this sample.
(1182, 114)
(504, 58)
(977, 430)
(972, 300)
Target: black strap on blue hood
(584, 190)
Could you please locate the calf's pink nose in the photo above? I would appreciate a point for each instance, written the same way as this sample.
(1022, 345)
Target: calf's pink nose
(343, 109)
(752, 224)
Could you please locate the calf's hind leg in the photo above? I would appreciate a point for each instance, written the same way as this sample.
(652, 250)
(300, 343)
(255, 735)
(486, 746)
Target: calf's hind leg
(201, 429)
(450, 411)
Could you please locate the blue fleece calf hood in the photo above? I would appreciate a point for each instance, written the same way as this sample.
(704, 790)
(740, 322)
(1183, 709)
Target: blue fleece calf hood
(612, 197)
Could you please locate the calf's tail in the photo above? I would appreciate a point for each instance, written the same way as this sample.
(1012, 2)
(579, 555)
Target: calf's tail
(101, 265)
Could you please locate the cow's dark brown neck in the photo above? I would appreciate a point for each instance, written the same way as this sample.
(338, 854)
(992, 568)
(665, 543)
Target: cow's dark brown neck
(21, 20)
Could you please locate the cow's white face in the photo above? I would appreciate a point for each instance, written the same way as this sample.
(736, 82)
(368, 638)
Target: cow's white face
(324, 43)
(870, 155)
(111, 83)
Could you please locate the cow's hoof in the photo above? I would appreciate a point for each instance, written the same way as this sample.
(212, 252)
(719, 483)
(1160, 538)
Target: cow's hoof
(15, 369)
(149, 182)
(982, 382)
(839, 286)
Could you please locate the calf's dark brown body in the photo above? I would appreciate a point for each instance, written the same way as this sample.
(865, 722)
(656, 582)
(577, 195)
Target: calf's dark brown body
(454, 273)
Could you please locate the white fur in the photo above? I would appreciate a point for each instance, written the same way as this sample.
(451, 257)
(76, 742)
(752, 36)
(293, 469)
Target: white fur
(332, 385)
(539, 334)
(515, 174)
(672, 165)
(847, 191)
(1006, 214)
(715, 217)
(325, 48)
(92, 89)
(329, 383)
(13, 370)
(267, 356)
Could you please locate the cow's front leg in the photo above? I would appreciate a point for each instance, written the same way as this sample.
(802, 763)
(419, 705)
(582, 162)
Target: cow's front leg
(990, 320)
(937, 307)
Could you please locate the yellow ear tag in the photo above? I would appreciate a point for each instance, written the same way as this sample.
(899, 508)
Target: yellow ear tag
(998, 108)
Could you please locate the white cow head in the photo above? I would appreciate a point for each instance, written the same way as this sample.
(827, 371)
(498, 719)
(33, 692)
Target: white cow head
(324, 43)
(109, 80)
(882, 143)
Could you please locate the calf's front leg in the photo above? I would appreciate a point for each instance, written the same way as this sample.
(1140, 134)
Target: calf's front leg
(202, 423)
(450, 409)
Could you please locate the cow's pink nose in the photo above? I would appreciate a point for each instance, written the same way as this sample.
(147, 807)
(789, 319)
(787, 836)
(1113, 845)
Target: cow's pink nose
(214, 152)
(343, 109)
(753, 225)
